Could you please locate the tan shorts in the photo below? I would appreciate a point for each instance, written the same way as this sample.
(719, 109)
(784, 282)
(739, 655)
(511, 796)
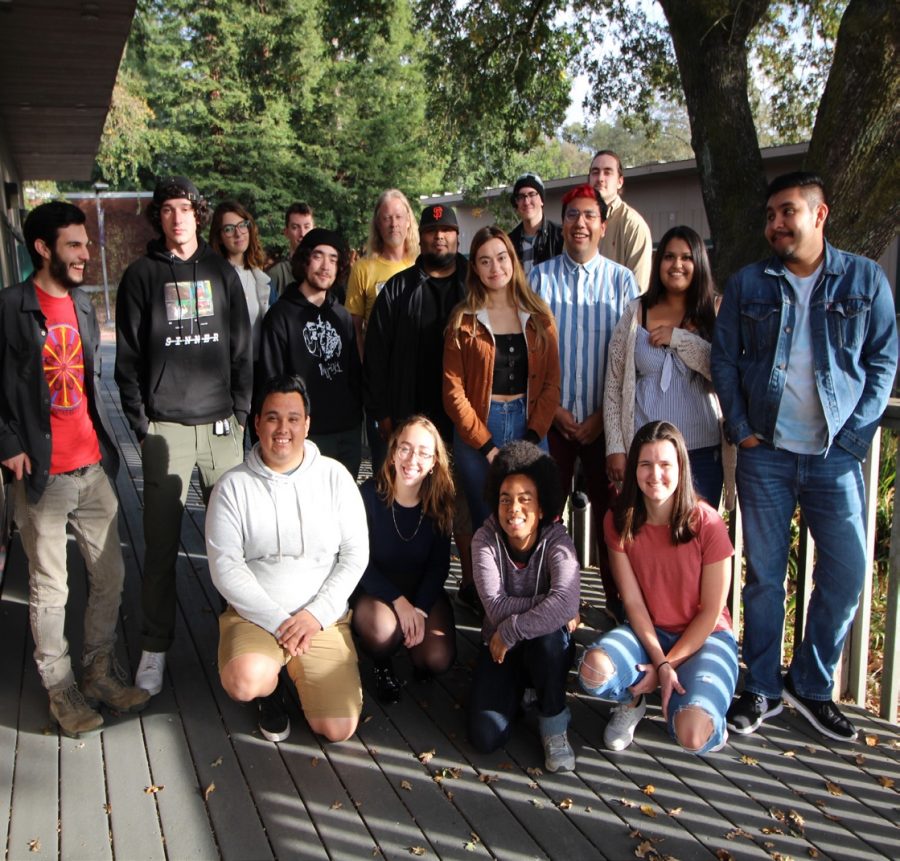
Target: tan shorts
(326, 677)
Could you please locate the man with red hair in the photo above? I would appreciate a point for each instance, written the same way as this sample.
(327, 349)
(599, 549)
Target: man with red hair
(587, 294)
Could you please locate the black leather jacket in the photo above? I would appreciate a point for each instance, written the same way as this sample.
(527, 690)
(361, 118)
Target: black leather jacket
(548, 242)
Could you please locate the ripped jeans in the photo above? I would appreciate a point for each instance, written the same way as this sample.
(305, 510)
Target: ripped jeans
(709, 676)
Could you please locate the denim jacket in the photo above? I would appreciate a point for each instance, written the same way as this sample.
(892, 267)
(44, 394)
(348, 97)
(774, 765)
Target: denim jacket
(854, 338)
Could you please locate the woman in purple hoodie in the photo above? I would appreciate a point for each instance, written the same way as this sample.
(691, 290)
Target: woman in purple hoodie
(528, 579)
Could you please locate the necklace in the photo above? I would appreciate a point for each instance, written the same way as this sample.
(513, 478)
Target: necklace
(400, 535)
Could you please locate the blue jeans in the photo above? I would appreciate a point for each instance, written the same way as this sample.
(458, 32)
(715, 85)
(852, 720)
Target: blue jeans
(506, 422)
(829, 489)
(706, 469)
(709, 676)
(542, 663)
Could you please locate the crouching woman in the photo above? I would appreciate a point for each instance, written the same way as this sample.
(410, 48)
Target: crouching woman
(528, 580)
(669, 553)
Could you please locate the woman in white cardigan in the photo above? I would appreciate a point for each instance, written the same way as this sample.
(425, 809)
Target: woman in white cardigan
(658, 366)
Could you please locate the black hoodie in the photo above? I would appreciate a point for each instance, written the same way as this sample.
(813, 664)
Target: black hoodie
(183, 347)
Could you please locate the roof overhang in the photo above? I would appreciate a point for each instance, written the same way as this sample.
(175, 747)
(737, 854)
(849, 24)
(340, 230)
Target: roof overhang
(58, 65)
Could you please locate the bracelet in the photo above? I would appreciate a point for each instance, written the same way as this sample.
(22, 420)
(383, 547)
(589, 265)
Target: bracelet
(661, 665)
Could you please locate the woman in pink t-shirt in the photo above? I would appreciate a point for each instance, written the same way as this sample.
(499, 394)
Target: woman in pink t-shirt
(669, 553)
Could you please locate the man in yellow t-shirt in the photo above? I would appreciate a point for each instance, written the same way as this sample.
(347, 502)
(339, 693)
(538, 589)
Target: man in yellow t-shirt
(393, 246)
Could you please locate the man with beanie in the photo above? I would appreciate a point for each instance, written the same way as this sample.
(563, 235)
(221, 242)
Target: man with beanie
(310, 334)
(535, 238)
(57, 443)
(183, 367)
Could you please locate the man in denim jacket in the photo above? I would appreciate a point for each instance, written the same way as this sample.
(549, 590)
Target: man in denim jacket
(803, 359)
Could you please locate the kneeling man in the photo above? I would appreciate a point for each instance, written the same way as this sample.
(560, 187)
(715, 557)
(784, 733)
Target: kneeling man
(287, 542)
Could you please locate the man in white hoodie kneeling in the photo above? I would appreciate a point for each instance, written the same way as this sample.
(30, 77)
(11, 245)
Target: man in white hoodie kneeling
(287, 542)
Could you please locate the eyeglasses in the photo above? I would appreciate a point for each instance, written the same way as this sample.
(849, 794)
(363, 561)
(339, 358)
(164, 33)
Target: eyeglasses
(406, 451)
(589, 215)
(524, 196)
(243, 226)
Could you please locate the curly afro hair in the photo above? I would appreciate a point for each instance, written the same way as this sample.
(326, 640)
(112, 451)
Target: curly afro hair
(525, 458)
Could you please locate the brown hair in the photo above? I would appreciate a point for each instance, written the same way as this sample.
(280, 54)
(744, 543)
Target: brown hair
(437, 492)
(522, 296)
(630, 512)
(253, 256)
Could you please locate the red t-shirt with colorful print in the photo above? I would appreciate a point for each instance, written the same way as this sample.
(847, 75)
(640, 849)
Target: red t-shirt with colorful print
(73, 437)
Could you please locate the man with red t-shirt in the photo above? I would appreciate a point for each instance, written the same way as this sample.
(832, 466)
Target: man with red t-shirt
(56, 442)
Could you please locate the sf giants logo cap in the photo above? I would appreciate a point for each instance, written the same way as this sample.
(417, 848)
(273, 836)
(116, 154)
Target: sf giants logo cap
(438, 216)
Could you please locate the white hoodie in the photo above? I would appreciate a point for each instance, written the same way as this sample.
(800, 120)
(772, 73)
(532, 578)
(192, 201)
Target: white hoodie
(281, 543)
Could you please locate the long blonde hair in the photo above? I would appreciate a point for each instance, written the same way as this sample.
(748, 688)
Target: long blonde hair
(521, 294)
(437, 492)
(375, 245)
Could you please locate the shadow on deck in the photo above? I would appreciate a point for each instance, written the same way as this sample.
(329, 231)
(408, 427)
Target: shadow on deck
(192, 778)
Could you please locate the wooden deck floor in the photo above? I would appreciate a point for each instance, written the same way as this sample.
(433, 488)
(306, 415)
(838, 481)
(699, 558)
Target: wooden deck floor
(191, 778)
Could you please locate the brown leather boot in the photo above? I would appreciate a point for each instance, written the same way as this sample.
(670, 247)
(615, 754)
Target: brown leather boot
(70, 712)
(105, 682)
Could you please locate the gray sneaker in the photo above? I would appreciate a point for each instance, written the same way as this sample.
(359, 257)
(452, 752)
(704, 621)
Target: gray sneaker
(558, 753)
(623, 721)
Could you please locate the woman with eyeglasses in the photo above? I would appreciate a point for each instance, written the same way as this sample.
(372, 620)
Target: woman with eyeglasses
(234, 235)
(501, 364)
(400, 600)
(657, 367)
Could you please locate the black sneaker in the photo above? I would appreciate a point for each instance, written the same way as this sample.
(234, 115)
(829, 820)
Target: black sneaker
(387, 686)
(824, 715)
(467, 596)
(748, 712)
(274, 723)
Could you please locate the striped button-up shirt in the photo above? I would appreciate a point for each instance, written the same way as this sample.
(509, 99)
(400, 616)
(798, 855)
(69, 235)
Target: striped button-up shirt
(587, 300)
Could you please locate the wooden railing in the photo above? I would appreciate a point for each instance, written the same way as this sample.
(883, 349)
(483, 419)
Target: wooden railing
(852, 672)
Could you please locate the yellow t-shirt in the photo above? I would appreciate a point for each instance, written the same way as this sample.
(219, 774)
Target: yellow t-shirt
(367, 277)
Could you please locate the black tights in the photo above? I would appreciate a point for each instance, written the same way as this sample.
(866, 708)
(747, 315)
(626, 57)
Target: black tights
(380, 636)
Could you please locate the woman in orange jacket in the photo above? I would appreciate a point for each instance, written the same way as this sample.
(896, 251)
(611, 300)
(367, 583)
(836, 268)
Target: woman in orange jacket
(501, 364)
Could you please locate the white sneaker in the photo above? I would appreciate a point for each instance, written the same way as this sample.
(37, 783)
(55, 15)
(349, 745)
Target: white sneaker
(149, 675)
(623, 721)
(558, 753)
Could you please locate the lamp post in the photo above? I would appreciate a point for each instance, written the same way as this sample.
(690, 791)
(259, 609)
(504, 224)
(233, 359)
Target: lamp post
(101, 230)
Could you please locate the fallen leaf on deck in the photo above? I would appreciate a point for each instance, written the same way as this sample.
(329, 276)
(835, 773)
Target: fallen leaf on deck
(446, 774)
(859, 759)
(811, 749)
(642, 850)
(153, 789)
(626, 802)
(771, 829)
(534, 772)
(34, 845)
(738, 832)
(886, 782)
(647, 810)
(416, 850)
(107, 808)
(833, 788)
(405, 784)
(470, 846)
(337, 805)
(426, 756)
(216, 762)
(565, 804)
(449, 794)
(813, 852)
(791, 753)
(532, 784)
(488, 778)
(674, 811)
(796, 820)
(209, 791)
(748, 760)
(832, 817)
(536, 802)
(724, 855)
(871, 740)
(775, 813)
(314, 761)
(649, 789)
(475, 837)
(79, 746)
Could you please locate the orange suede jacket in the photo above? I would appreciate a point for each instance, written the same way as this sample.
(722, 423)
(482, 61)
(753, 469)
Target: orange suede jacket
(469, 376)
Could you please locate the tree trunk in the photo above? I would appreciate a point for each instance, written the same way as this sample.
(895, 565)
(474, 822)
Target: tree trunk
(711, 49)
(855, 141)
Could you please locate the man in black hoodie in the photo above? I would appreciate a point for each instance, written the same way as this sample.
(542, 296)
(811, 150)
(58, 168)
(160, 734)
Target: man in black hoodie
(308, 332)
(183, 367)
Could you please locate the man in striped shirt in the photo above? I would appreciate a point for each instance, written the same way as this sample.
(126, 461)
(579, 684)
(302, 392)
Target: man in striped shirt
(587, 294)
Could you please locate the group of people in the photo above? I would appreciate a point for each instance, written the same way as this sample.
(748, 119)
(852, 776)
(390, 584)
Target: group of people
(483, 385)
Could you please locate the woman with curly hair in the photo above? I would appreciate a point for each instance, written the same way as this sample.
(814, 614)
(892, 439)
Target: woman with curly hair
(528, 579)
(400, 600)
(501, 365)
(658, 366)
(669, 552)
(234, 235)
